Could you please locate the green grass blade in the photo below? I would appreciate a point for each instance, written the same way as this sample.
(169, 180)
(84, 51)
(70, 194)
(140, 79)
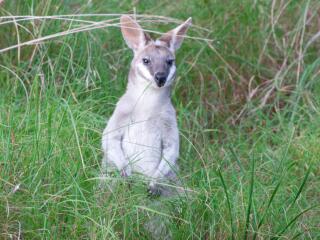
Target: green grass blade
(237, 158)
(267, 208)
(293, 221)
(297, 235)
(228, 202)
(301, 186)
(250, 200)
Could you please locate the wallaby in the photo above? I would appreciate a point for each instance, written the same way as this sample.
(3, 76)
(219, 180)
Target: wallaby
(142, 134)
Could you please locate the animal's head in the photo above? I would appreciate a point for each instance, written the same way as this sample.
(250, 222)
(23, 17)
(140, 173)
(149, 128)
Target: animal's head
(154, 61)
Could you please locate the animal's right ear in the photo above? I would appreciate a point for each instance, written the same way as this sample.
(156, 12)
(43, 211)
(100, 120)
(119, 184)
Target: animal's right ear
(174, 38)
(132, 33)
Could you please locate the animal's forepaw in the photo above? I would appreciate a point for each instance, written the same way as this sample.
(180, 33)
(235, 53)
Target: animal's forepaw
(126, 171)
(154, 190)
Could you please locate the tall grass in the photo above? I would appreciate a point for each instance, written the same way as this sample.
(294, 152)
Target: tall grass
(247, 98)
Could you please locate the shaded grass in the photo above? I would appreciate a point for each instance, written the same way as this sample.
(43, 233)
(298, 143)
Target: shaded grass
(249, 97)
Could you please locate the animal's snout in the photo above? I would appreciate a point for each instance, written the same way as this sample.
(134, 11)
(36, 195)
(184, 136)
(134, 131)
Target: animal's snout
(160, 78)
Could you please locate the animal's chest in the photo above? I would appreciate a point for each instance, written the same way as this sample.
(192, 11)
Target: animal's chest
(141, 144)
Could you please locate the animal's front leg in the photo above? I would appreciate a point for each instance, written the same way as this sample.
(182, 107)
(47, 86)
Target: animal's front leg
(167, 165)
(113, 154)
(111, 144)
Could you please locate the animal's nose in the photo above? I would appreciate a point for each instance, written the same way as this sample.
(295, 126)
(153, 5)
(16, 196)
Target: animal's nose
(161, 78)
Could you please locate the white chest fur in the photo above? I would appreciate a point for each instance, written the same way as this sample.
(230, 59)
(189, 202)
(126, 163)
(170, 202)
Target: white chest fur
(141, 145)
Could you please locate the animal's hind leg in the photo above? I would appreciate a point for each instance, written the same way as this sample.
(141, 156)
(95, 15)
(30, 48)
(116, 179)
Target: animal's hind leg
(168, 186)
(172, 192)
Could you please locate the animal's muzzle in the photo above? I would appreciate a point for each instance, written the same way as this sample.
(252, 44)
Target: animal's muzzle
(160, 78)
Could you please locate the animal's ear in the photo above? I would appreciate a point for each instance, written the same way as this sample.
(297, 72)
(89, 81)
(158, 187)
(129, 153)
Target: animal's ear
(132, 33)
(173, 39)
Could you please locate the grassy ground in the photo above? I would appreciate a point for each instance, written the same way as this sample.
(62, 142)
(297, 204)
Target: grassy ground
(248, 108)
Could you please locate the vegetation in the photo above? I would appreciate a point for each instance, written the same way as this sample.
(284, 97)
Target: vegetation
(248, 104)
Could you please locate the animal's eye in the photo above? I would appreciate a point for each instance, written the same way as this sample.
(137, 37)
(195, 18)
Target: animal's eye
(146, 61)
(170, 61)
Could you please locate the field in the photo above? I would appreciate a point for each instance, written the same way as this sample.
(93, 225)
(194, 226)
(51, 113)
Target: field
(247, 95)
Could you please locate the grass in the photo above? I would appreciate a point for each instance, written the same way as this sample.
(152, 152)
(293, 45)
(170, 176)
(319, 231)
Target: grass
(248, 112)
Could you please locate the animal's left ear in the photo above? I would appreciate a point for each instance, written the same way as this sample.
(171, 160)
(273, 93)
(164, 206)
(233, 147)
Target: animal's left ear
(173, 39)
(133, 33)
